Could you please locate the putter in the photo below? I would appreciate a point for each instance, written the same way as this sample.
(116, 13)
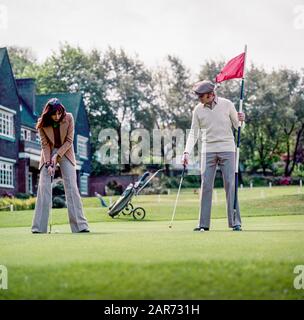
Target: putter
(51, 203)
(178, 192)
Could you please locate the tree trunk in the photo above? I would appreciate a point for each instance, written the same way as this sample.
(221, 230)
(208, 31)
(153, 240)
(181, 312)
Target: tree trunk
(286, 171)
(295, 152)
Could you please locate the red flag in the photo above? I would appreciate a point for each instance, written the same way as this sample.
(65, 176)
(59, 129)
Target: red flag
(233, 69)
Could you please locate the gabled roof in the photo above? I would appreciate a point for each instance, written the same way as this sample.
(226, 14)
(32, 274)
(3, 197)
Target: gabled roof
(71, 102)
(27, 117)
(4, 57)
(2, 54)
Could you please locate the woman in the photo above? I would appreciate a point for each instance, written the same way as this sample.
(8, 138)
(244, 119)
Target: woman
(56, 130)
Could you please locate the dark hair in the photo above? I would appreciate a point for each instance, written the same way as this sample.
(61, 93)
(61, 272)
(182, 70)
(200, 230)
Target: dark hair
(52, 106)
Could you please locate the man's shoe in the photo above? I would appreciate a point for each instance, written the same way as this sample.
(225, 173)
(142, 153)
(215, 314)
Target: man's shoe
(201, 229)
(35, 232)
(85, 230)
(237, 228)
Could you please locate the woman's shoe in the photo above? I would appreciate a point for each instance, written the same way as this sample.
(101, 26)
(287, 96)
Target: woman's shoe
(237, 228)
(84, 230)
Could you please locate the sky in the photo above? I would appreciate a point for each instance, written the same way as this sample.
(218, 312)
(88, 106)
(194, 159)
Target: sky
(193, 30)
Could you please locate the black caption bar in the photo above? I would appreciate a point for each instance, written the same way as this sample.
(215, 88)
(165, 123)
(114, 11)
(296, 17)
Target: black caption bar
(145, 309)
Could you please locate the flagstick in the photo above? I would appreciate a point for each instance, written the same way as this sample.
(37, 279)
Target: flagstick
(239, 140)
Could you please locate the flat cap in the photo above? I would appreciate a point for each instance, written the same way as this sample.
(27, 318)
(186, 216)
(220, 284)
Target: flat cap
(202, 87)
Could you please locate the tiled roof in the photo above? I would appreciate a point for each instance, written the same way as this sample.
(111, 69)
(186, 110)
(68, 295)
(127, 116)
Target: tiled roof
(27, 117)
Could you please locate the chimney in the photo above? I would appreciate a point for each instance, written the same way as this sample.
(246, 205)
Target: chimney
(27, 91)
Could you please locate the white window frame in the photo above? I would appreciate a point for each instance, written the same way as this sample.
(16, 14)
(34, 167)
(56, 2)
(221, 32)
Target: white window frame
(6, 174)
(84, 184)
(82, 146)
(7, 122)
(26, 134)
(38, 138)
(30, 182)
(22, 134)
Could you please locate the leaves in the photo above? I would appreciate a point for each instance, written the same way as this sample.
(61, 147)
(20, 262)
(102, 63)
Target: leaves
(120, 91)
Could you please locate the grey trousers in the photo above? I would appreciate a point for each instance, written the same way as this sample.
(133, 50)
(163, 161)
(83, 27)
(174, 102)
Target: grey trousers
(77, 219)
(226, 162)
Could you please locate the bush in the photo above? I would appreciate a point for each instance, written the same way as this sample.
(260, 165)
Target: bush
(59, 202)
(20, 195)
(113, 188)
(173, 182)
(19, 204)
(298, 171)
(58, 188)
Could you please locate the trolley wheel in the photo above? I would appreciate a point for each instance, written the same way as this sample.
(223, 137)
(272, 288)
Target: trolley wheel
(128, 209)
(139, 213)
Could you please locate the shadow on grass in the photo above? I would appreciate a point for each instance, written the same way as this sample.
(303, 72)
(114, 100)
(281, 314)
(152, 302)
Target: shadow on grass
(254, 230)
(85, 234)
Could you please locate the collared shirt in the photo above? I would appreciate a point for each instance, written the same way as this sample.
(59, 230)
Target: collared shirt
(213, 103)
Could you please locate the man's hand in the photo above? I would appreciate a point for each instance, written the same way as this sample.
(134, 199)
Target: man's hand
(241, 116)
(185, 159)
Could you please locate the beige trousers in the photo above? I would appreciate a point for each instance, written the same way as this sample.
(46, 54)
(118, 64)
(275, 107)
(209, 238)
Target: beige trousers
(226, 162)
(77, 219)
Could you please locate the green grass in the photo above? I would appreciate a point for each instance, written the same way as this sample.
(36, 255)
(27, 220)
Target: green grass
(126, 259)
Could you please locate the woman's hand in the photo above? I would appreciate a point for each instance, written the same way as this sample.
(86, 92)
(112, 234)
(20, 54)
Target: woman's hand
(51, 170)
(54, 159)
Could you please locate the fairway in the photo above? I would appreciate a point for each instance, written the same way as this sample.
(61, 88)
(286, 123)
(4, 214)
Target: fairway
(126, 259)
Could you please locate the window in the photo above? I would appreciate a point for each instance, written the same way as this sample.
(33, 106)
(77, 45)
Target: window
(84, 185)
(37, 138)
(30, 182)
(6, 174)
(82, 146)
(25, 134)
(7, 124)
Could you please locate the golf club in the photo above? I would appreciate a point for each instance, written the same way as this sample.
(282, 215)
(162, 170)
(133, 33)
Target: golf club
(51, 202)
(178, 192)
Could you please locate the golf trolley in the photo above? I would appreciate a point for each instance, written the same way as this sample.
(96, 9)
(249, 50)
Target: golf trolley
(123, 204)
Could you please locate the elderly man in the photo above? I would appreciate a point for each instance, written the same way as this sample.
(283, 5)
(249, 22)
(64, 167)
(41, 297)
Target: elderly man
(213, 119)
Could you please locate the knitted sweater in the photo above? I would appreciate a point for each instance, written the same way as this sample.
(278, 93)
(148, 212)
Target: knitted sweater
(213, 126)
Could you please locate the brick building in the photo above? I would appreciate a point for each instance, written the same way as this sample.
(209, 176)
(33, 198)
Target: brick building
(19, 140)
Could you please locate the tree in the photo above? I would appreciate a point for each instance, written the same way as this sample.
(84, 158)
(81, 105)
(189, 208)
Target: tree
(262, 137)
(288, 86)
(22, 59)
(129, 90)
(174, 91)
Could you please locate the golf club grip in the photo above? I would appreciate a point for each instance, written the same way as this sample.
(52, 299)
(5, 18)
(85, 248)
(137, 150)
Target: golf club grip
(149, 180)
(144, 176)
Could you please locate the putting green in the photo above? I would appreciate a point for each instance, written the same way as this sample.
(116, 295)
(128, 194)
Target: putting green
(147, 260)
(126, 259)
